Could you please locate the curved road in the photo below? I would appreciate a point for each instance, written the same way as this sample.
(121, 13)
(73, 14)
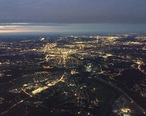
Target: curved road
(121, 92)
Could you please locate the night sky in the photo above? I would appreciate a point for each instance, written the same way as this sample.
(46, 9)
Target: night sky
(72, 15)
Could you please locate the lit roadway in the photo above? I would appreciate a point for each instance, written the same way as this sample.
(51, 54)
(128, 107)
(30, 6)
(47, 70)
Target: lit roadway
(121, 92)
(139, 68)
(34, 92)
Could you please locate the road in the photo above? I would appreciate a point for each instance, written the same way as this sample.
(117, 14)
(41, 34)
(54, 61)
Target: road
(120, 91)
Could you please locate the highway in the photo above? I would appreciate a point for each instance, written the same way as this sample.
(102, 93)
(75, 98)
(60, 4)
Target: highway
(120, 91)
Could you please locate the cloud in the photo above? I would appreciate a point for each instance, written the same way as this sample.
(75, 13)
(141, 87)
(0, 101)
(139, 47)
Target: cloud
(7, 28)
(71, 28)
(73, 11)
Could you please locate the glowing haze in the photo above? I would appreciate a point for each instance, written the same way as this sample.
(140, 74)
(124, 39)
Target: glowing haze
(9, 28)
(72, 16)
